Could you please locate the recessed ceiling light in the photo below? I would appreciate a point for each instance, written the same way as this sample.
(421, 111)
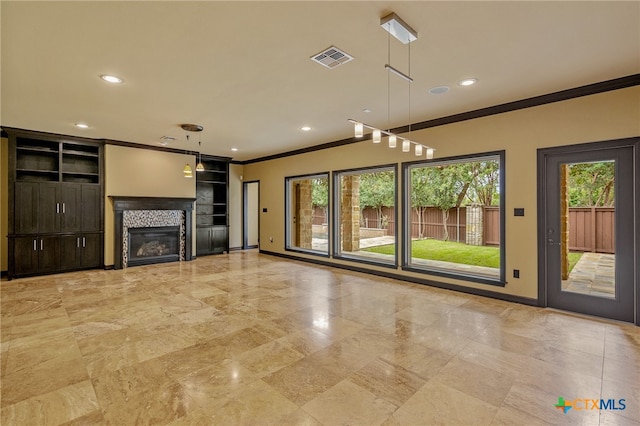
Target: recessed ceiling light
(111, 79)
(305, 128)
(81, 125)
(468, 81)
(439, 90)
(234, 149)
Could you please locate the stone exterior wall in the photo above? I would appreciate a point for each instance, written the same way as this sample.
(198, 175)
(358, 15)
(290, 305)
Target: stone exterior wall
(304, 214)
(350, 213)
(475, 225)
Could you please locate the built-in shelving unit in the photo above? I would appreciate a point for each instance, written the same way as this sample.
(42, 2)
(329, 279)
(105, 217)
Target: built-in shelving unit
(56, 203)
(212, 217)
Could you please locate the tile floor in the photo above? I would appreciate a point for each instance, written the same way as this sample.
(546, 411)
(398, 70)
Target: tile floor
(250, 339)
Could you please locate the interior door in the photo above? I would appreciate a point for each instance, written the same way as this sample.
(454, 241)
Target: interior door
(251, 209)
(585, 276)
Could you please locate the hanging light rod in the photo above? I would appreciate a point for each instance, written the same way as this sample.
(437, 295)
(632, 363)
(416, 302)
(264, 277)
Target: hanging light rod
(406, 143)
(398, 73)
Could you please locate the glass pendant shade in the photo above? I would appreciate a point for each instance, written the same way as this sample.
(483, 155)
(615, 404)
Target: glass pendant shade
(188, 172)
(429, 153)
(406, 146)
(392, 141)
(418, 150)
(200, 167)
(359, 130)
(377, 136)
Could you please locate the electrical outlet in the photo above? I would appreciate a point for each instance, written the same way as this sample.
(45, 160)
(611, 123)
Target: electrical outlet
(516, 273)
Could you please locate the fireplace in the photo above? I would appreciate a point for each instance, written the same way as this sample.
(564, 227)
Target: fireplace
(153, 245)
(151, 230)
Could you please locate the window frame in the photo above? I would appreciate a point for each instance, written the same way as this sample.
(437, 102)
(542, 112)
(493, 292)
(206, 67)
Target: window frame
(336, 251)
(288, 246)
(407, 265)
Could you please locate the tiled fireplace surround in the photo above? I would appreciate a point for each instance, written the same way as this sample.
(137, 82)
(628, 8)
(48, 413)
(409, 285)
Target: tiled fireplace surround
(143, 212)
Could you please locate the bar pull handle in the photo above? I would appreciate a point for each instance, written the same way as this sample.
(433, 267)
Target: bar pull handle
(35, 247)
(84, 242)
(78, 242)
(63, 208)
(58, 208)
(41, 244)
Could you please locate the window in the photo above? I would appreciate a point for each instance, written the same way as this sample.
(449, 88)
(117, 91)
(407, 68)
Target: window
(307, 213)
(454, 217)
(365, 212)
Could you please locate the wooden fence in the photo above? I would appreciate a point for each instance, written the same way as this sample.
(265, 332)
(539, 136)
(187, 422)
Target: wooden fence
(590, 228)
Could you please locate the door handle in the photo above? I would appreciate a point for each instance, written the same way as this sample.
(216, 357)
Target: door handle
(41, 245)
(35, 247)
(58, 208)
(63, 208)
(78, 242)
(84, 242)
(552, 243)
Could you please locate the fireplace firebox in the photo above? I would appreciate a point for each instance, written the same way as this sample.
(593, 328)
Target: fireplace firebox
(153, 245)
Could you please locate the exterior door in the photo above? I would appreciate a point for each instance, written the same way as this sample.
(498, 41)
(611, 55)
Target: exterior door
(599, 281)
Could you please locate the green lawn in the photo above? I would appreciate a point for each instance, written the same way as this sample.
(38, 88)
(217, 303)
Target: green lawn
(448, 251)
(573, 259)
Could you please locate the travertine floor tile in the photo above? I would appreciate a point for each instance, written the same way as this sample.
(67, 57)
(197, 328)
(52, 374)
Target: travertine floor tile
(56, 407)
(245, 338)
(348, 403)
(436, 403)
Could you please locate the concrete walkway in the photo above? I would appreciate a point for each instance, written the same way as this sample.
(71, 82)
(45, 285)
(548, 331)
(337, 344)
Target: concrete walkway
(594, 274)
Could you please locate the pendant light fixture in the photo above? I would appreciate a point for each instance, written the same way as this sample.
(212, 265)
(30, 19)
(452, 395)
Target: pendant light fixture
(187, 170)
(199, 166)
(405, 34)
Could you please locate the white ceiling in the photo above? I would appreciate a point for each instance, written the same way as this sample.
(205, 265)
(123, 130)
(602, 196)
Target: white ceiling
(243, 69)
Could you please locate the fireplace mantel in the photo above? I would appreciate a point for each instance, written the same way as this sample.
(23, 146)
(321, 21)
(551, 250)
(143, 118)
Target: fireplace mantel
(126, 203)
(121, 203)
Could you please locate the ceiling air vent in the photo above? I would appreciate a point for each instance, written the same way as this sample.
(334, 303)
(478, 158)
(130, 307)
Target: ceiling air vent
(331, 57)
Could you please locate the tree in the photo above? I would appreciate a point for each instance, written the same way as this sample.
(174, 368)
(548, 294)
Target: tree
(452, 185)
(320, 195)
(378, 190)
(484, 187)
(421, 197)
(592, 184)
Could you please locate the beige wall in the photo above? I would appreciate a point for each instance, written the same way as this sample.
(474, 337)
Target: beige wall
(520, 133)
(142, 173)
(4, 203)
(235, 206)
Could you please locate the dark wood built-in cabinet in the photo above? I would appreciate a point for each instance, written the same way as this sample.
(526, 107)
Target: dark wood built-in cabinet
(212, 216)
(56, 203)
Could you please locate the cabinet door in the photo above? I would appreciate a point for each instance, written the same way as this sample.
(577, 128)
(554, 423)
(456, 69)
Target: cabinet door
(25, 214)
(91, 211)
(70, 251)
(219, 239)
(71, 207)
(49, 208)
(203, 240)
(25, 252)
(91, 245)
(48, 254)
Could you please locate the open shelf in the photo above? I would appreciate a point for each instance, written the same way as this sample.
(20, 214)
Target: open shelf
(211, 207)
